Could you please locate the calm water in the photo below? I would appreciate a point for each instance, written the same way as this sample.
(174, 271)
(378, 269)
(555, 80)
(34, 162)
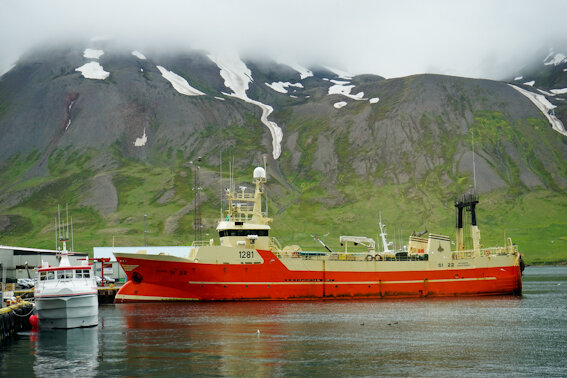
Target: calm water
(493, 336)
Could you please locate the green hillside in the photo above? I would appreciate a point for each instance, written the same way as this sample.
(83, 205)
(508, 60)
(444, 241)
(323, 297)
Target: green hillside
(534, 219)
(406, 156)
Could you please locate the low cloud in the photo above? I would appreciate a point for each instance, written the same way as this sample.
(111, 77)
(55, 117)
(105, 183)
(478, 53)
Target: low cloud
(475, 38)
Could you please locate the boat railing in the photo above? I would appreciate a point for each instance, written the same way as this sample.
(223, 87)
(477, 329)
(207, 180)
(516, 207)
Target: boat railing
(243, 196)
(200, 243)
(346, 256)
(482, 252)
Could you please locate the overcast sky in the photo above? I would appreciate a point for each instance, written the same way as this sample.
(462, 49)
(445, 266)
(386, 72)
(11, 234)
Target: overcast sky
(472, 38)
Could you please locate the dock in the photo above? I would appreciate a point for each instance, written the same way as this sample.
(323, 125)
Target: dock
(106, 294)
(15, 318)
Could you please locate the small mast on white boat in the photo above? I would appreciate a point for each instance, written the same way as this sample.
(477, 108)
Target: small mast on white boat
(62, 237)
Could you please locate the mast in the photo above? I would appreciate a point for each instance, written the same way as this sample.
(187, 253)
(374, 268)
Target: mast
(220, 183)
(197, 222)
(266, 179)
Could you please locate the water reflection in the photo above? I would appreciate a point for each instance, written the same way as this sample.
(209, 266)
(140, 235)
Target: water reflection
(489, 336)
(214, 337)
(62, 352)
(302, 337)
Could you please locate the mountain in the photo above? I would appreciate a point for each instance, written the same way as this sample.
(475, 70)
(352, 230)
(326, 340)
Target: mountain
(118, 135)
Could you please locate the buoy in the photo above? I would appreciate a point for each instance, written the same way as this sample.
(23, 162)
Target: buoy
(34, 320)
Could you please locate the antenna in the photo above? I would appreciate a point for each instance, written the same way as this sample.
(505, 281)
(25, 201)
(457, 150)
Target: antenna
(58, 220)
(55, 228)
(265, 191)
(67, 228)
(145, 230)
(197, 202)
(72, 239)
(220, 183)
(230, 175)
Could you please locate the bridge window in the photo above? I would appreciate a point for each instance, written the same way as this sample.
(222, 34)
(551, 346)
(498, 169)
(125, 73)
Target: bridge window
(243, 233)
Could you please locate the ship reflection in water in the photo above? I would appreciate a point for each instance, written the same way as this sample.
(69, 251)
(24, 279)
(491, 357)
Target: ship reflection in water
(66, 352)
(484, 336)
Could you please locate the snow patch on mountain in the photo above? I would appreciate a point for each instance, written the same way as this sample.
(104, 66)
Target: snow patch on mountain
(93, 70)
(237, 76)
(339, 104)
(303, 72)
(559, 91)
(341, 88)
(138, 55)
(179, 84)
(555, 59)
(374, 100)
(518, 78)
(92, 53)
(530, 83)
(545, 107)
(340, 74)
(280, 86)
(140, 142)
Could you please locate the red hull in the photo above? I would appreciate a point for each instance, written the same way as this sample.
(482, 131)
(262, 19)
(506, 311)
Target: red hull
(154, 280)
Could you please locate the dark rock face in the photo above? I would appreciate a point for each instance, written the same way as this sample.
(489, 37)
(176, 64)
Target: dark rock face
(421, 125)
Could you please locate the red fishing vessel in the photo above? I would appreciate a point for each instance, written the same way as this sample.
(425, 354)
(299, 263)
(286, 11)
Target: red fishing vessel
(249, 264)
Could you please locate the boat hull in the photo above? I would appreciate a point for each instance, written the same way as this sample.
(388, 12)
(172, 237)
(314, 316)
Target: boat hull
(155, 278)
(67, 311)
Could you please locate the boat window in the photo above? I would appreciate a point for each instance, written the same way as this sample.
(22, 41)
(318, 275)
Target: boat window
(64, 274)
(82, 273)
(243, 232)
(51, 275)
(42, 276)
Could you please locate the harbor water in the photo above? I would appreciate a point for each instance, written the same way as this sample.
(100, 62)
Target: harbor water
(487, 336)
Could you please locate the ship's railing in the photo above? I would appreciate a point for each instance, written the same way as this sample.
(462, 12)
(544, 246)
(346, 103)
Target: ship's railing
(243, 196)
(348, 256)
(200, 243)
(491, 251)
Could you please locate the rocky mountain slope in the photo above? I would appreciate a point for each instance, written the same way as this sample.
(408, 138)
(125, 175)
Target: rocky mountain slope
(117, 133)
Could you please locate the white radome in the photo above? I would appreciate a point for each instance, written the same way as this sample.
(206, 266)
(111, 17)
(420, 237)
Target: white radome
(259, 172)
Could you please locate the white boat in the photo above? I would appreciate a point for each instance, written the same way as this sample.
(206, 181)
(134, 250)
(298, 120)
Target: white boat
(66, 296)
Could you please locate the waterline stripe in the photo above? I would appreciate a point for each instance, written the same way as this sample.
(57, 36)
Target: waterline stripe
(149, 298)
(343, 282)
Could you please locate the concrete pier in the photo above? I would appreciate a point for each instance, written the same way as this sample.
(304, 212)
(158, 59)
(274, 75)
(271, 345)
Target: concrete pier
(15, 318)
(105, 294)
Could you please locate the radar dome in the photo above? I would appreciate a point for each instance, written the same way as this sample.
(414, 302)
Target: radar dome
(259, 172)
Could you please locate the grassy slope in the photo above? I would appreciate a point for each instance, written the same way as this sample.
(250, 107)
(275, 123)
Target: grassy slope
(534, 219)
